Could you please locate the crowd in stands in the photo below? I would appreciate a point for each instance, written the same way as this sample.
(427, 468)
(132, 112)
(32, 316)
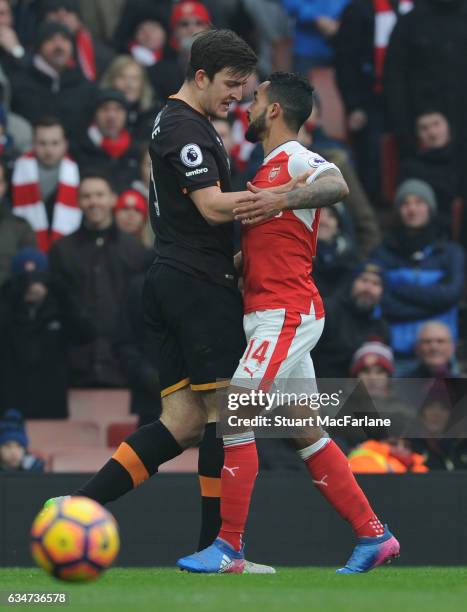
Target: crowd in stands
(80, 85)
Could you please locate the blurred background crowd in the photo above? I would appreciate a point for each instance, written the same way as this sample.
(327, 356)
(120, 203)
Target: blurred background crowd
(80, 84)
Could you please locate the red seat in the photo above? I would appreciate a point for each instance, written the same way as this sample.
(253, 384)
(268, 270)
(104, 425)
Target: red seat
(94, 404)
(186, 462)
(117, 432)
(79, 459)
(45, 434)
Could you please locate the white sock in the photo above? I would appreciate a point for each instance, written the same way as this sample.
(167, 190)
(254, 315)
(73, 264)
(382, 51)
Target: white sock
(305, 453)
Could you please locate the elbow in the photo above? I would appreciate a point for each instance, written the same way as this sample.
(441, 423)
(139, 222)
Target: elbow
(211, 216)
(344, 190)
(212, 219)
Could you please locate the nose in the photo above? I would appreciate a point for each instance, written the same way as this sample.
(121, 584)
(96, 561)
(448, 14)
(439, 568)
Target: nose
(237, 93)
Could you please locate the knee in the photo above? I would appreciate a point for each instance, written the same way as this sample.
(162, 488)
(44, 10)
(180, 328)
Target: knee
(187, 432)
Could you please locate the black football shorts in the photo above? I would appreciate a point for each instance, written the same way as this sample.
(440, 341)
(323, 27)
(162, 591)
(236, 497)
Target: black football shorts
(196, 328)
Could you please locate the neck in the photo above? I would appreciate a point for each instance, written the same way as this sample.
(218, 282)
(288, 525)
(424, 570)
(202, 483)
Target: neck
(276, 138)
(187, 94)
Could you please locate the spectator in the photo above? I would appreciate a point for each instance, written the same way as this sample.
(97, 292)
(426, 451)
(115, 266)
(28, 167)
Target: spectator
(352, 318)
(130, 78)
(440, 451)
(270, 35)
(336, 259)
(373, 364)
(12, 53)
(45, 185)
(135, 352)
(14, 455)
(16, 127)
(186, 20)
(316, 24)
(102, 17)
(92, 55)
(131, 14)
(416, 78)
(435, 350)
(388, 456)
(15, 233)
(107, 143)
(365, 224)
(97, 261)
(148, 36)
(424, 275)
(361, 44)
(435, 163)
(131, 213)
(39, 319)
(48, 85)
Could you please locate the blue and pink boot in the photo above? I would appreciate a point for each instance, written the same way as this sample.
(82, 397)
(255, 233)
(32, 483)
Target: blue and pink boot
(372, 552)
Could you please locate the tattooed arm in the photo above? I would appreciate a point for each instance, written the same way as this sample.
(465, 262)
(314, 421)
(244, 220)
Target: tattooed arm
(327, 189)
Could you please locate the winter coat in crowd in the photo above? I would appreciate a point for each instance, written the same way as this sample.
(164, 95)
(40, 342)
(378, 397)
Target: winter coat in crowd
(36, 94)
(15, 234)
(426, 57)
(308, 40)
(34, 373)
(333, 266)
(347, 327)
(123, 168)
(98, 264)
(439, 169)
(424, 281)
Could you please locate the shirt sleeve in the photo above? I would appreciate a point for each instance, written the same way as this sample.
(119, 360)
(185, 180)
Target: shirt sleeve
(306, 161)
(189, 151)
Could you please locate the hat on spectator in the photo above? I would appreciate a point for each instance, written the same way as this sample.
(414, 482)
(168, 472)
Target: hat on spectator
(147, 12)
(188, 10)
(372, 353)
(110, 95)
(48, 30)
(12, 428)
(29, 259)
(368, 267)
(72, 6)
(132, 199)
(416, 187)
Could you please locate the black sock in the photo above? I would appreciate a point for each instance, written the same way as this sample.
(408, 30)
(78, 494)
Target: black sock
(210, 462)
(134, 461)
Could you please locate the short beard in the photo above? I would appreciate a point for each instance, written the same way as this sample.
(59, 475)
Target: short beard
(363, 304)
(256, 129)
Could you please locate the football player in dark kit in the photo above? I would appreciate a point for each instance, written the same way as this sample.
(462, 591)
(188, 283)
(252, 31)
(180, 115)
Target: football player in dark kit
(191, 301)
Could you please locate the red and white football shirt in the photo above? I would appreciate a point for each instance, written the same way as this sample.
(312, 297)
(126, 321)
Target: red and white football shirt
(278, 253)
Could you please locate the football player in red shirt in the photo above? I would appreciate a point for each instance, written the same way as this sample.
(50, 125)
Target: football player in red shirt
(284, 319)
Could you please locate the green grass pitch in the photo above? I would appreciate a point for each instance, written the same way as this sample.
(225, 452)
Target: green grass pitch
(391, 589)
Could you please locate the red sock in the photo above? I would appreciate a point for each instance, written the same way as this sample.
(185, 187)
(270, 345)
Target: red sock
(237, 482)
(331, 474)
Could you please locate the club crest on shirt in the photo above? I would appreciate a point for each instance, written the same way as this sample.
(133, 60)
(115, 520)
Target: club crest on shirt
(274, 173)
(191, 155)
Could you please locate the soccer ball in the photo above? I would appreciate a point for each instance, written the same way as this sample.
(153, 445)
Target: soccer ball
(74, 539)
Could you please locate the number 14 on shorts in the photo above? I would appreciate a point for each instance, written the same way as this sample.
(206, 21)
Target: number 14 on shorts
(255, 355)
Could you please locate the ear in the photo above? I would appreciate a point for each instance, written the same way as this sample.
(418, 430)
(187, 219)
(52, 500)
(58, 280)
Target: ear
(114, 198)
(275, 110)
(201, 79)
